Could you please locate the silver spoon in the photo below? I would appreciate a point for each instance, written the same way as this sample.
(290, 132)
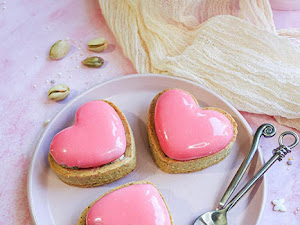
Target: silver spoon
(218, 217)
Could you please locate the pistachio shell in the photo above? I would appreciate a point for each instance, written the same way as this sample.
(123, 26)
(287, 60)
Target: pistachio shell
(97, 45)
(59, 92)
(93, 61)
(59, 49)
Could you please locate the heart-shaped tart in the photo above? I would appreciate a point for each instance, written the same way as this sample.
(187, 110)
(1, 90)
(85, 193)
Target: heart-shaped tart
(98, 149)
(186, 138)
(138, 203)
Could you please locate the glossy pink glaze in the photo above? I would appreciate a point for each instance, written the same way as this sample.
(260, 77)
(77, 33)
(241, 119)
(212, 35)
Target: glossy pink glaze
(187, 132)
(137, 204)
(96, 138)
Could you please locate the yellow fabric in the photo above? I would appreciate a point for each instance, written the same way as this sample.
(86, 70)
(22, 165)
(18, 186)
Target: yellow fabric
(229, 46)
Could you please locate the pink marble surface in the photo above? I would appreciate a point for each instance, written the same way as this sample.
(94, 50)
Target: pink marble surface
(27, 30)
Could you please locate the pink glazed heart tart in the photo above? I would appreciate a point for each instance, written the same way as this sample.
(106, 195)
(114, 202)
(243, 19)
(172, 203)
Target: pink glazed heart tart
(138, 203)
(185, 138)
(98, 149)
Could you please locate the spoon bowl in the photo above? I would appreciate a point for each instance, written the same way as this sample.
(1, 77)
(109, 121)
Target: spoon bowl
(217, 217)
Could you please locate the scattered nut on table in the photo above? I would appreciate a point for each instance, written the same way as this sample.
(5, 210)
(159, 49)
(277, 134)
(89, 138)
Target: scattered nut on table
(59, 49)
(59, 92)
(93, 61)
(97, 45)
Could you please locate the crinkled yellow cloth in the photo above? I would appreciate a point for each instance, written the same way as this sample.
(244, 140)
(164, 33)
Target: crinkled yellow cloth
(229, 46)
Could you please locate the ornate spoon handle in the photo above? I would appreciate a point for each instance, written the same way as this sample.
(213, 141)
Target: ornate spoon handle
(278, 154)
(267, 130)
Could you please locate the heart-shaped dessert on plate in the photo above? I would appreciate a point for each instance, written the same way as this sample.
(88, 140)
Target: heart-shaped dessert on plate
(99, 148)
(96, 138)
(132, 203)
(184, 137)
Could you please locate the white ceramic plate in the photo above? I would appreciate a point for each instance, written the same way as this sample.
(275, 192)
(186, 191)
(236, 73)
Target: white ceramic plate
(54, 203)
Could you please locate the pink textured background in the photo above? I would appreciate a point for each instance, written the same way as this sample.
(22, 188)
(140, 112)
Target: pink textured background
(28, 28)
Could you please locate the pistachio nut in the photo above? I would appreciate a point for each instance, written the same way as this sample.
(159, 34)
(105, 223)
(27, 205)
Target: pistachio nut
(59, 49)
(59, 92)
(93, 61)
(97, 45)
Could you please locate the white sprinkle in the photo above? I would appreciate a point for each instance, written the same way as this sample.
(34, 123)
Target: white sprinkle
(46, 122)
(67, 38)
(52, 81)
(47, 27)
(3, 7)
(34, 86)
(79, 48)
(77, 67)
(59, 73)
(296, 212)
(46, 81)
(298, 208)
(36, 57)
(70, 76)
(279, 205)
(3, 3)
